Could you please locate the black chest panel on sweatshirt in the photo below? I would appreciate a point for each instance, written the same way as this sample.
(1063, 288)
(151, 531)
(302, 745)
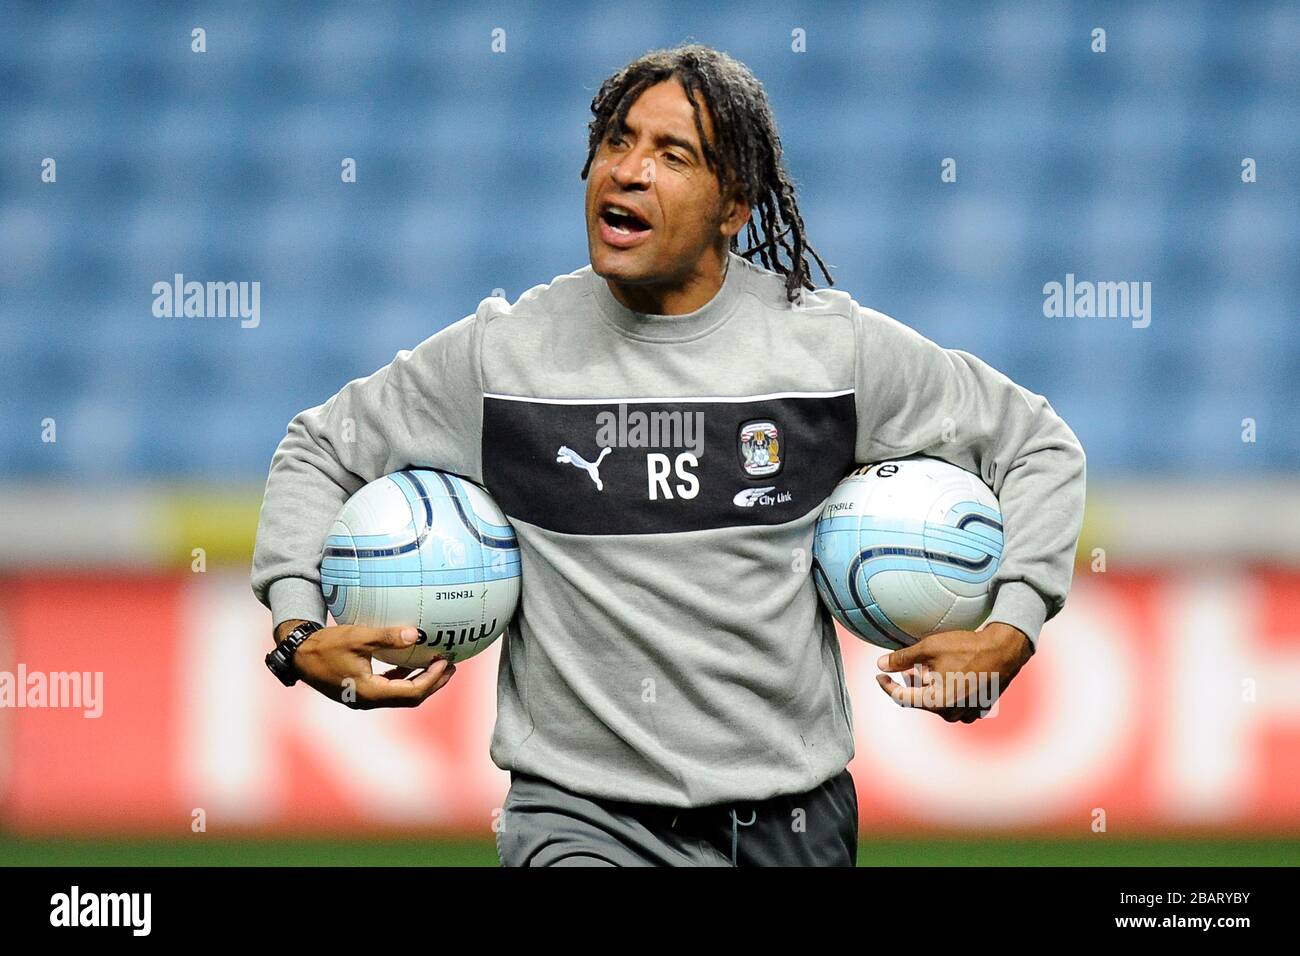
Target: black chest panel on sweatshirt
(665, 466)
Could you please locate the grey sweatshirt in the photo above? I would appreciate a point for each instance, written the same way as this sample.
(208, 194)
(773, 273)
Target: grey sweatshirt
(669, 646)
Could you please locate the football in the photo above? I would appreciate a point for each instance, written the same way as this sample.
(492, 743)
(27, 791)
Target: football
(907, 548)
(426, 549)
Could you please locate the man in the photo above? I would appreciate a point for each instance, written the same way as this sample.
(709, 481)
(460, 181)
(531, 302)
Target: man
(671, 691)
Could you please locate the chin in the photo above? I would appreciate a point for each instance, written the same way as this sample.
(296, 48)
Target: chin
(608, 264)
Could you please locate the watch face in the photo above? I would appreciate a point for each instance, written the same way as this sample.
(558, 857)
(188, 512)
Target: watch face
(278, 662)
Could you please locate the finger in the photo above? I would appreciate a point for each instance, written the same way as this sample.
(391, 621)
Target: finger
(404, 673)
(904, 658)
(381, 638)
(424, 680)
(915, 676)
(949, 689)
(920, 675)
(926, 695)
(434, 678)
(378, 691)
(382, 691)
(902, 696)
(888, 685)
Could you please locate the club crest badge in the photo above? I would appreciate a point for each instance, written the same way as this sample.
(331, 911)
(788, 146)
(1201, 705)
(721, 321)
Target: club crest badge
(760, 448)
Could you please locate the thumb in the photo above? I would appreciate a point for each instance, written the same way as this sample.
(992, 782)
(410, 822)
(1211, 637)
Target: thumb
(398, 637)
(903, 658)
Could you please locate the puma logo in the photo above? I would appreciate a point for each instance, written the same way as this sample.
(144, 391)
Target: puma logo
(567, 455)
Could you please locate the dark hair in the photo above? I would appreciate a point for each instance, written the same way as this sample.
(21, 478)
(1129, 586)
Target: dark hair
(748, 149)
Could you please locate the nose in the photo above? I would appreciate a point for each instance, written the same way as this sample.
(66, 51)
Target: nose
(634, 170)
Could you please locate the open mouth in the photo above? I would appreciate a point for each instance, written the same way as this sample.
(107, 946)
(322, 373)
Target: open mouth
(623, 222)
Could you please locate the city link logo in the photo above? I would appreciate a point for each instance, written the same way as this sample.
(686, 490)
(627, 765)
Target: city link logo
(749, 497)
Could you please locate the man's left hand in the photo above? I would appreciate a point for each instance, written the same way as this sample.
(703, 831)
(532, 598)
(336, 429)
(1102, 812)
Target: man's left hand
(956, 674)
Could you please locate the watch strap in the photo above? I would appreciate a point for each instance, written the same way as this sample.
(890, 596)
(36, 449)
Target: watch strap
(280, 660)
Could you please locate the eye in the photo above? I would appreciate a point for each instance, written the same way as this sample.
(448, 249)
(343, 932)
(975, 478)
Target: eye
(673, 159)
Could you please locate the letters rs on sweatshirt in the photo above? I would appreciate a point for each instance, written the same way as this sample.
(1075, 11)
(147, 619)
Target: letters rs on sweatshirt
(664, 465)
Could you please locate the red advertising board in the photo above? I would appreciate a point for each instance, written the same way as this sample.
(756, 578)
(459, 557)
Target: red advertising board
(1156, 702)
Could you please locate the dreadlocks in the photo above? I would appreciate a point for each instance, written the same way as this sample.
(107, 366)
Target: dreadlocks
(747, 153)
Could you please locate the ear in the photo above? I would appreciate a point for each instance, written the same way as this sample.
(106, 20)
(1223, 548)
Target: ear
(735, 212)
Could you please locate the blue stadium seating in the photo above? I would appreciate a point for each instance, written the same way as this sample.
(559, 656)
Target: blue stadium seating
(225, 165)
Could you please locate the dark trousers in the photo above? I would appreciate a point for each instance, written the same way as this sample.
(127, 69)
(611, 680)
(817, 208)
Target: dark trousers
(545, 825)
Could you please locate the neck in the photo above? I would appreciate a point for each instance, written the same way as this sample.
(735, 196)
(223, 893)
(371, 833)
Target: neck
(680, 298)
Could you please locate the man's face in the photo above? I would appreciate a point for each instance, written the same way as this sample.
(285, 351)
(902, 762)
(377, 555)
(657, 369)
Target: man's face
(655, 212)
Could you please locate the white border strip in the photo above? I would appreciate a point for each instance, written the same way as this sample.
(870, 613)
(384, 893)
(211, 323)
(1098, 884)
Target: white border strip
(54, 524)
(683, 398)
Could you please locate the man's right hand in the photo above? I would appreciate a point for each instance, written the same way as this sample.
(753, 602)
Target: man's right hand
(337, 662)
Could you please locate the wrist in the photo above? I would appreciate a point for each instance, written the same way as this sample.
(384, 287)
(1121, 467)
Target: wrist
(1019, 604)
(282, 629)
(1016, 641)
(297, 599)
(282, 660)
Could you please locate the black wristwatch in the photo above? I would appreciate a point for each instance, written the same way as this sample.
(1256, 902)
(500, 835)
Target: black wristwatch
(280, 660)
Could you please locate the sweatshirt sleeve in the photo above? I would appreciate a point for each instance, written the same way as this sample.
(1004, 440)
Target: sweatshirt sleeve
(422, 410)
(914, 397)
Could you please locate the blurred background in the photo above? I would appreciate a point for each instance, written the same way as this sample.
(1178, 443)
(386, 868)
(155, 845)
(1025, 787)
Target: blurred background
(1136, 143)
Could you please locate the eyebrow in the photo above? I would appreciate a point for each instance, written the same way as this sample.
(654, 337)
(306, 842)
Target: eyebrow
(665, 139)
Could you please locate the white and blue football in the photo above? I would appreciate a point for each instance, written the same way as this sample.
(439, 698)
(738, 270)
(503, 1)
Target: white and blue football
(425, 549)
(907, 548)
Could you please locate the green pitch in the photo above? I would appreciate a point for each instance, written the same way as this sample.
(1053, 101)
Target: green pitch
(202, 851)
